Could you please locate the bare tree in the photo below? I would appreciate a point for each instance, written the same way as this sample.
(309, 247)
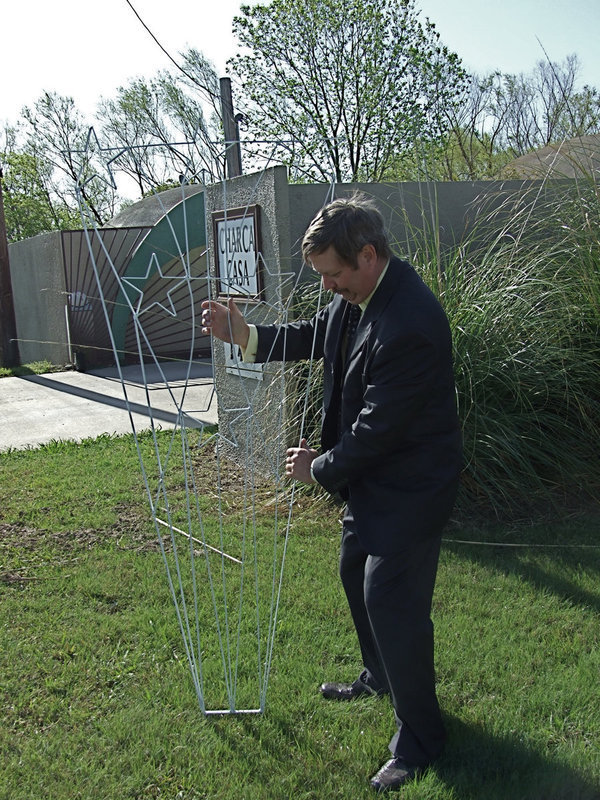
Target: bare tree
(58, 138)
(503, 116)
(534, 110)
(162, 126)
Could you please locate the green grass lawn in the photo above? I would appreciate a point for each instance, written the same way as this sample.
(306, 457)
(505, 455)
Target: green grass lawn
(98, 701)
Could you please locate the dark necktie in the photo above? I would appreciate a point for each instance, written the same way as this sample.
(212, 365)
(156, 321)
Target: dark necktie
(353, 320)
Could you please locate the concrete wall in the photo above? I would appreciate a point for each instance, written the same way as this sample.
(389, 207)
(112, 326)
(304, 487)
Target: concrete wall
(414, 212)
(39, 293)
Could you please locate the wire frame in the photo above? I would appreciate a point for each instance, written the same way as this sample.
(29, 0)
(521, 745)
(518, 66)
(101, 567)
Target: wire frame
(224, 569)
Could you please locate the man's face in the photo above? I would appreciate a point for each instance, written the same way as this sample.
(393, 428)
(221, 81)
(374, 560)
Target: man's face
(354, 285)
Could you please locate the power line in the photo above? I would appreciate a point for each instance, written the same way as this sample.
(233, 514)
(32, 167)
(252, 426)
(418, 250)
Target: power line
(209, 92)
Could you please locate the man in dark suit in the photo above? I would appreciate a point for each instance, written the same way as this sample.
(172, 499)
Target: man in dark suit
(390, 446)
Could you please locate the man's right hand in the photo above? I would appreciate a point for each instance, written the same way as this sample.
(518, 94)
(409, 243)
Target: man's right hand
(225, 322)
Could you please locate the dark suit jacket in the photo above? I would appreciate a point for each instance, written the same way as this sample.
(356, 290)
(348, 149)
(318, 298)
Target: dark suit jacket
(390, 436)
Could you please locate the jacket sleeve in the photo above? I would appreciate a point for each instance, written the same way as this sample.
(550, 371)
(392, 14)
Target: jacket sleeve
(294, 341)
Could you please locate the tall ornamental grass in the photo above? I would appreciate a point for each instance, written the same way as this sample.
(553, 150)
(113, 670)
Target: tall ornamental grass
(522, 294)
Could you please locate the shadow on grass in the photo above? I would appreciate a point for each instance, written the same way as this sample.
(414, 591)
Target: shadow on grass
(567, 549)
(477, 765)
(480, 764)
(16, 372)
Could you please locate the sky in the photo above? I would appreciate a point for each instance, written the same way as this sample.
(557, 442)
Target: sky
(87, 50)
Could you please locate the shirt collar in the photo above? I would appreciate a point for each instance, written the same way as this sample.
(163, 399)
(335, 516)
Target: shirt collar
(367, 300)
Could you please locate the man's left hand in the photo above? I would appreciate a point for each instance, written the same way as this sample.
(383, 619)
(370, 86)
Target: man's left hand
(298, 461)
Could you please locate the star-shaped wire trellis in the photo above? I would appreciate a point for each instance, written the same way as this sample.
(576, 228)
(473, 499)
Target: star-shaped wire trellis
(132, 282)
(96, 162)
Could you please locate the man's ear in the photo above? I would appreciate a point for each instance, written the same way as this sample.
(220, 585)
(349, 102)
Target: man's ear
(368, 256)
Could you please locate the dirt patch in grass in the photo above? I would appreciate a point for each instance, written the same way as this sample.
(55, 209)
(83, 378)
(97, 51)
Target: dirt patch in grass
(24, 549)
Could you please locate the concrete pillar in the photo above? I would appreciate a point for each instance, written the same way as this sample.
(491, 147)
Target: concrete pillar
(252, 416)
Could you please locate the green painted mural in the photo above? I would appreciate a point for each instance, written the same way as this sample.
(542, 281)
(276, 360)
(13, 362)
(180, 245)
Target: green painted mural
(181, 230)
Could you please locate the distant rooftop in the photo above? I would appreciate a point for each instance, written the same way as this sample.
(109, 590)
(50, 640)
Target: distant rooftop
(147, 212)
(573, 158)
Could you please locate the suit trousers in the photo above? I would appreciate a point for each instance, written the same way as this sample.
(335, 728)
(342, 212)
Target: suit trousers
(390, 601)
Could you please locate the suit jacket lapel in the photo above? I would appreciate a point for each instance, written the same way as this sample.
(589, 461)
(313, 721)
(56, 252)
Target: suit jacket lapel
(333, 347)
(332, 379)
(375, 309)
(384, 292)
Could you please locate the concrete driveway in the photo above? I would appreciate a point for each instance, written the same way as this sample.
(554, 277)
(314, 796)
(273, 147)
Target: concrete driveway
(36, 409)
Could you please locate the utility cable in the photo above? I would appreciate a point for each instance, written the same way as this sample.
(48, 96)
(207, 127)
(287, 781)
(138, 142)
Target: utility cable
(194, 80)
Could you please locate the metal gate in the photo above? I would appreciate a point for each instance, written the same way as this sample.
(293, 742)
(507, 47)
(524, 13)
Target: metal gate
(112, 274)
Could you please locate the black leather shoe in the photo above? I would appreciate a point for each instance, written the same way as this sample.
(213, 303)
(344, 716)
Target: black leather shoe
(394, 774)
(345, 691)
